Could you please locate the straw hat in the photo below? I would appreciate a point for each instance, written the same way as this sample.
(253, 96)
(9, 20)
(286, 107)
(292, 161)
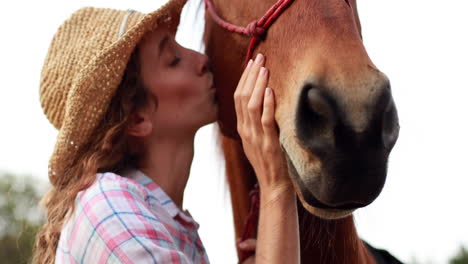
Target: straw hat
(83, 68)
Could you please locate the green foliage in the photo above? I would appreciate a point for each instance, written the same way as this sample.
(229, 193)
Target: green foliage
(461, 257)
(20, 216)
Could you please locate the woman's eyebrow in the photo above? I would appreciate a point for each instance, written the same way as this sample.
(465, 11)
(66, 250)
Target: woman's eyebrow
(163, 44)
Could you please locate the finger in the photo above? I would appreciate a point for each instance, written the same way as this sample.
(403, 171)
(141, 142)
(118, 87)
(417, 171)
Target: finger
(249, 85)
(248, 244)
(253, 74)
(237, 93)
(256, 100)
(268, 115)
(245, 74)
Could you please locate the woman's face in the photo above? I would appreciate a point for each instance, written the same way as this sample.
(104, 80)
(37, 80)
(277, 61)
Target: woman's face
(180, 80)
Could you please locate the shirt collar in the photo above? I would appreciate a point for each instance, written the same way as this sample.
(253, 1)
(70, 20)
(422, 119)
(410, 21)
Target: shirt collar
(164, 199)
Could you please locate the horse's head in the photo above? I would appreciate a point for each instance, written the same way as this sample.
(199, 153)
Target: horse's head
(334, 108)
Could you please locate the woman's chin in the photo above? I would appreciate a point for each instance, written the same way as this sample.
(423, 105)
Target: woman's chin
(211, 117)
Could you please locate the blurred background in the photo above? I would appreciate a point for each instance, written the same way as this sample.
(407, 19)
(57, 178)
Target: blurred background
(421, 215)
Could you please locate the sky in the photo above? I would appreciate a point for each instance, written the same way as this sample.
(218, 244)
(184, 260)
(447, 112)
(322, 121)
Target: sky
(421, 45)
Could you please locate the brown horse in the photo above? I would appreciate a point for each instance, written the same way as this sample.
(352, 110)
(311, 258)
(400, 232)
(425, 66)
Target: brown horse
(334, 109)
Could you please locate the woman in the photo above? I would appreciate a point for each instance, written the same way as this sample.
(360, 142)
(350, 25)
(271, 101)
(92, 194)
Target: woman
(127, 101)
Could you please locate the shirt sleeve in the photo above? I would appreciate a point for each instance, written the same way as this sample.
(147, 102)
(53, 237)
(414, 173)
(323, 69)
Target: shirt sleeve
(114, 224)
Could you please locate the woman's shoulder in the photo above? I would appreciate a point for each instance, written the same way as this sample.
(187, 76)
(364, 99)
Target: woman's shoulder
(115, 213)
(112, 186)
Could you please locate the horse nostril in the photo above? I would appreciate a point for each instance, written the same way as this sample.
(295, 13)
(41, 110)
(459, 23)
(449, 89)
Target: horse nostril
(319, 105)
(316, 120)
(386, 116)
(390, 125)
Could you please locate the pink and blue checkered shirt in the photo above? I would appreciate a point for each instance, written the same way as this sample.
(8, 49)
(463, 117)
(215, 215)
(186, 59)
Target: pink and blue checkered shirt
(128, 219)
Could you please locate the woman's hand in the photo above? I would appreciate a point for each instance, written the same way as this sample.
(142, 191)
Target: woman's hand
(255, 109)
(278, 226)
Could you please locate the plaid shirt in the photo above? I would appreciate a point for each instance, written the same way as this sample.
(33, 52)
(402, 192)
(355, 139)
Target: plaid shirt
(128, 219)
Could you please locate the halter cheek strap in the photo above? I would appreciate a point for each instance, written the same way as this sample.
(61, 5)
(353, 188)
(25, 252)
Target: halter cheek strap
(251, 223)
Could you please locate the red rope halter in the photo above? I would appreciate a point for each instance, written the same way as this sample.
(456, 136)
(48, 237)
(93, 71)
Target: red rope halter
(255, 29)
(251, 224)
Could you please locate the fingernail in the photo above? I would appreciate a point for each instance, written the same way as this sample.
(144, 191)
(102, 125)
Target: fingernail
(262, 71)
(249, 63)
(259, 58)
(242, 244)
(268, 91)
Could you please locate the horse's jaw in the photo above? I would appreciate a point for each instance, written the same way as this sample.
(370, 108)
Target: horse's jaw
(330, 214)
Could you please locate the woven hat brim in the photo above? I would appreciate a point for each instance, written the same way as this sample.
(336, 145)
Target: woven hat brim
(91, 93)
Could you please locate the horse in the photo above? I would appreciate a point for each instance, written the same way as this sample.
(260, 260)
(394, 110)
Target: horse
(335, 112)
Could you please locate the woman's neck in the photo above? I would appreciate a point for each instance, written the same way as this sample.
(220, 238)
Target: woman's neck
(167, 162)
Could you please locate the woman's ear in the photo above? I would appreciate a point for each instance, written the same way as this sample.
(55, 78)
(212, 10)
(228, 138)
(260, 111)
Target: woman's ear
(140, 123)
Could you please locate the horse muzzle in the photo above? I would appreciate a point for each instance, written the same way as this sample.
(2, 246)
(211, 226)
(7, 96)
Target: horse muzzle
(349, 138)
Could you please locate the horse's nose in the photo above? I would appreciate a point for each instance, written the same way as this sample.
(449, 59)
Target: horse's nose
(351, 135)
(325, 123)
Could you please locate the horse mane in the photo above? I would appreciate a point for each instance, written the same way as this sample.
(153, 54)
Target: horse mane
(240, 177)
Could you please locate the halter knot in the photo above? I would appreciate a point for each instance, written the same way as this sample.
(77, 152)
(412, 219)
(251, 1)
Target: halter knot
(255, 31)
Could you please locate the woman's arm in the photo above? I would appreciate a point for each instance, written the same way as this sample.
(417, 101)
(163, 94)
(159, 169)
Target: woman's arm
(278, 230)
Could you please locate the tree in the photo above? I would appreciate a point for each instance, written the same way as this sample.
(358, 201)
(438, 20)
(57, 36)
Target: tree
(461, 257)
(20, 216)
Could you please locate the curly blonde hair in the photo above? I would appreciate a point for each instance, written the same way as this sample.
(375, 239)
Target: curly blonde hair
(107, 150)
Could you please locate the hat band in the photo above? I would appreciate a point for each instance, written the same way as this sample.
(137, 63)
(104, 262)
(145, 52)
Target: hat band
(124, 22)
